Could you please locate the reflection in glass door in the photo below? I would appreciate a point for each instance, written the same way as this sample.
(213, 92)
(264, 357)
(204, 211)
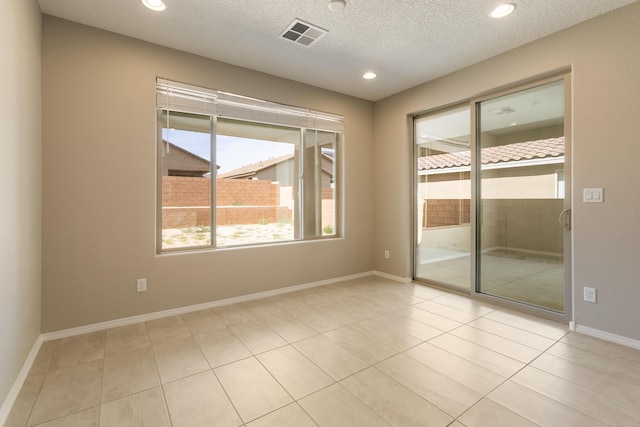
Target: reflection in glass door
(520, 197)
(443, 193)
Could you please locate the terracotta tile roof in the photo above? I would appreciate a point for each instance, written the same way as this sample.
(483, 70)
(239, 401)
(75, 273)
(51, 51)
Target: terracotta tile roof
(540, 149)
(253, 168)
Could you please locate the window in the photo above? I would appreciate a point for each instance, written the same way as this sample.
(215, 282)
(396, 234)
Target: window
(237, 171)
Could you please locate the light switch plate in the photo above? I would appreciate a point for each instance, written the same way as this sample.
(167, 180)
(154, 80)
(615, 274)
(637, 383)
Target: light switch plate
(593, 195)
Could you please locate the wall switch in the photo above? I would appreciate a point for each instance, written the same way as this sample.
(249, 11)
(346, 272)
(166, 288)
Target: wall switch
(593, 195)
(590, 294)
(141, 285)
(386, 254)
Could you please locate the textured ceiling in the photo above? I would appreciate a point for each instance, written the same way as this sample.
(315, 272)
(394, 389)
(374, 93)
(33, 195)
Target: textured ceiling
(406, 42)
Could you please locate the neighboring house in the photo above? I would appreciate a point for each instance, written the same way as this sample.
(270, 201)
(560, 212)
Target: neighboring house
(281, 169)
(275, 169)
(180, 162)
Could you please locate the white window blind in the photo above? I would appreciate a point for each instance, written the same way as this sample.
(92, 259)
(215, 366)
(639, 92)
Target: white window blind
(192, 99)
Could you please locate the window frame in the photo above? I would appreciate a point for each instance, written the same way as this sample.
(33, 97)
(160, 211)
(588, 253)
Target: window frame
(302, 121)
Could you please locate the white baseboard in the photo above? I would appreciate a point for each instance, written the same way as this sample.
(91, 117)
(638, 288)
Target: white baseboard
(191, 308)
(5, 409)
(392, 277)
(607, 336)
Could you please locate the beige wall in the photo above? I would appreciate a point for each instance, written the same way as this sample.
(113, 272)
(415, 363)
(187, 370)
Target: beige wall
(20, 187)
(98, 228)
(603, 54)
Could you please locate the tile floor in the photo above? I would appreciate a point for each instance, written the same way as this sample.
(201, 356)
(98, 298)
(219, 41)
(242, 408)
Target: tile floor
(368, 352)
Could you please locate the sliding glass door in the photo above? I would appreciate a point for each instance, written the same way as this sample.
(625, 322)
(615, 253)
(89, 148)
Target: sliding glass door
(491, 196)
(521, 197)
(443, 195)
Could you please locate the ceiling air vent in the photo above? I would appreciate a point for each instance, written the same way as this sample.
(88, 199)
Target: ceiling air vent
(303, 33)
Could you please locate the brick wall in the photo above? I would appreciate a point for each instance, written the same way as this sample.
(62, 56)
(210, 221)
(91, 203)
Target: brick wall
(446, 212)
(231, 215)
(188, 191)
(185, 202)
(245, 192)
(327, 193)
(185, 191)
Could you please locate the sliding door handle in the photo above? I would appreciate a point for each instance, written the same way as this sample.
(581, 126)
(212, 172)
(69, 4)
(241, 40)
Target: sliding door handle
(565, 219)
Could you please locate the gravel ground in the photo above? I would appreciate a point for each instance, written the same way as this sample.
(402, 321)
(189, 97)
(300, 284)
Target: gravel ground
(227, 235)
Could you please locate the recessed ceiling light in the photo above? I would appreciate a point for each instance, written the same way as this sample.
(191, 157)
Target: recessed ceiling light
(337, 5)
(503, 10)
(157, 5)
(369, 75)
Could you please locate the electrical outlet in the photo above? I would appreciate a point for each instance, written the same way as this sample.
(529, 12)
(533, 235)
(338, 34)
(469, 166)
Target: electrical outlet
(386, 254)
(141, 285)
(590, 294)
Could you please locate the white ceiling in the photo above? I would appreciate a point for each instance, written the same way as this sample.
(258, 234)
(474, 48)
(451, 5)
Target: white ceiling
(406, 42)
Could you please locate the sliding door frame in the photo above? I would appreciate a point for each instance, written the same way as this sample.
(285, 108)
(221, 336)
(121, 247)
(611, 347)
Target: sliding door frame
(474, 105)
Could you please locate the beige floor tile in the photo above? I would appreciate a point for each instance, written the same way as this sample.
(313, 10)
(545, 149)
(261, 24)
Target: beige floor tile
(288, 327)
(330, 357)
(363, 345)
(179, 358)
(487, 413)
(257, 336)
(262, 307)
(395, 338)
(546, 328)
(385, 302)
(496, 343)
(222, 347)
(407, 324)
(335, 406)
(457, 424)
(86, 418)
(630, 356)
(365, 306)
(592, 403)
(167, 329)
(203, 321)
(605, 383)
(126, 338)
(428, 318)
(538, 408)
(289, 416)
(521, 336)
(68, 390)
(251, 388)
(290, 304)
(316, 319)
(233, 314)
(398, 405)
(199, 400)
(294, 372)
(466, 304)
(341, 313)
(129, 373)
(447, 311)
(23, 404)
(45, 356)
(314, 297)
(489, 359)
(78, 349)
(463, 371)
(425, 292)
(144, 409)
(445, 393)
(586, 357)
